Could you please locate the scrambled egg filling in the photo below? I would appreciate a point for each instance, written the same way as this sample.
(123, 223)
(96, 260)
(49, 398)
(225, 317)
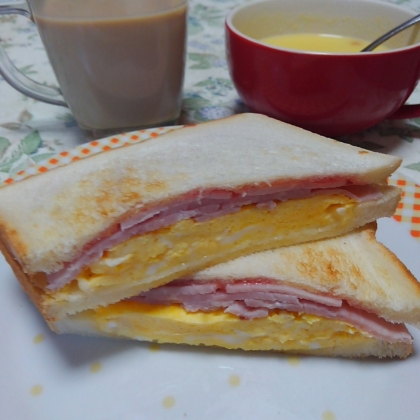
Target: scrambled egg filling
(280, 330)
(157, 257)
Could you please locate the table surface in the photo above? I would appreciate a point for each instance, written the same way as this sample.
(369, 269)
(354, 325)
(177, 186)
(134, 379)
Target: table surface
(32, 132)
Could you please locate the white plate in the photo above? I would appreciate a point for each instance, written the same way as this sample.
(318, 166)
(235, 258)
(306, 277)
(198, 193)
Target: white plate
(131, 381)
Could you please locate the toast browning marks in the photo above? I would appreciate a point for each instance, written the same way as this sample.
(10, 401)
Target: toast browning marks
(244, 153)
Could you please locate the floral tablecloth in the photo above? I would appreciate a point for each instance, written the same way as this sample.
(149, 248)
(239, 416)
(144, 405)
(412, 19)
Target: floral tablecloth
(31, 131)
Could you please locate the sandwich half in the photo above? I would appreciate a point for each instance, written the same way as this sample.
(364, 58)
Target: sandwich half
(122, 222)
(345, 296)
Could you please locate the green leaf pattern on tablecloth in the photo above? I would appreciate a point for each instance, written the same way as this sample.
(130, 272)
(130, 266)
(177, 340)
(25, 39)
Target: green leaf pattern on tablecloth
(210, 13)
(19, 155)
(31, 131)
(194, 26)
(4, 144)
(31, 143)
(28, 70)
(414, 166)
(205, 61)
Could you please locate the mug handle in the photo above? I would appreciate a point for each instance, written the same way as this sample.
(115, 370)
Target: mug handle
(16, 78)
(406, 112)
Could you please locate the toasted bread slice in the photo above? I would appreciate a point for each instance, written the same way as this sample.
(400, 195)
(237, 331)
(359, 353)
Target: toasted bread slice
(121, 222)
(353, 267)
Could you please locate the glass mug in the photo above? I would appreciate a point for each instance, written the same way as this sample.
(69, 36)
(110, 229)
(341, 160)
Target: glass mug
(119, 63)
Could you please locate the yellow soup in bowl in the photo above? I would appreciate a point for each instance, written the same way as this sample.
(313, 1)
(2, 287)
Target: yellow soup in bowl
(319, 43)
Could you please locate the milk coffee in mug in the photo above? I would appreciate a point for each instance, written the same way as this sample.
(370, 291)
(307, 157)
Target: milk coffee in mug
(119, 64)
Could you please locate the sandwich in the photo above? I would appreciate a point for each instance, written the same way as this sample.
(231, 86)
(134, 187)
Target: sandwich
(344, 296)
(120, 223)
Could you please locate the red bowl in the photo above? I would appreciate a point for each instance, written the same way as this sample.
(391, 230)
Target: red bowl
(330, 94)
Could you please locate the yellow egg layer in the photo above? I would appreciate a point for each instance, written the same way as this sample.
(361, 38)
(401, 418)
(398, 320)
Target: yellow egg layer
(280, 330)
(187, 240)
(155, 258)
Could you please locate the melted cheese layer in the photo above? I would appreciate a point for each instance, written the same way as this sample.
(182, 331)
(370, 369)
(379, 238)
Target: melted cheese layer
(281, 330)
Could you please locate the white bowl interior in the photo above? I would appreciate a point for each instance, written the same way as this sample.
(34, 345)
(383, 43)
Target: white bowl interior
(364, 19)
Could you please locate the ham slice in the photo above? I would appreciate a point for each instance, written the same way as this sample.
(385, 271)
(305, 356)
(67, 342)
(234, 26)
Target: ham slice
(251, 299)
(201, 207)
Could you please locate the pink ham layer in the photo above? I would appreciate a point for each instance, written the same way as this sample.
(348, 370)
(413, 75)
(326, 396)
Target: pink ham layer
(250, 299)
(204, 206)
